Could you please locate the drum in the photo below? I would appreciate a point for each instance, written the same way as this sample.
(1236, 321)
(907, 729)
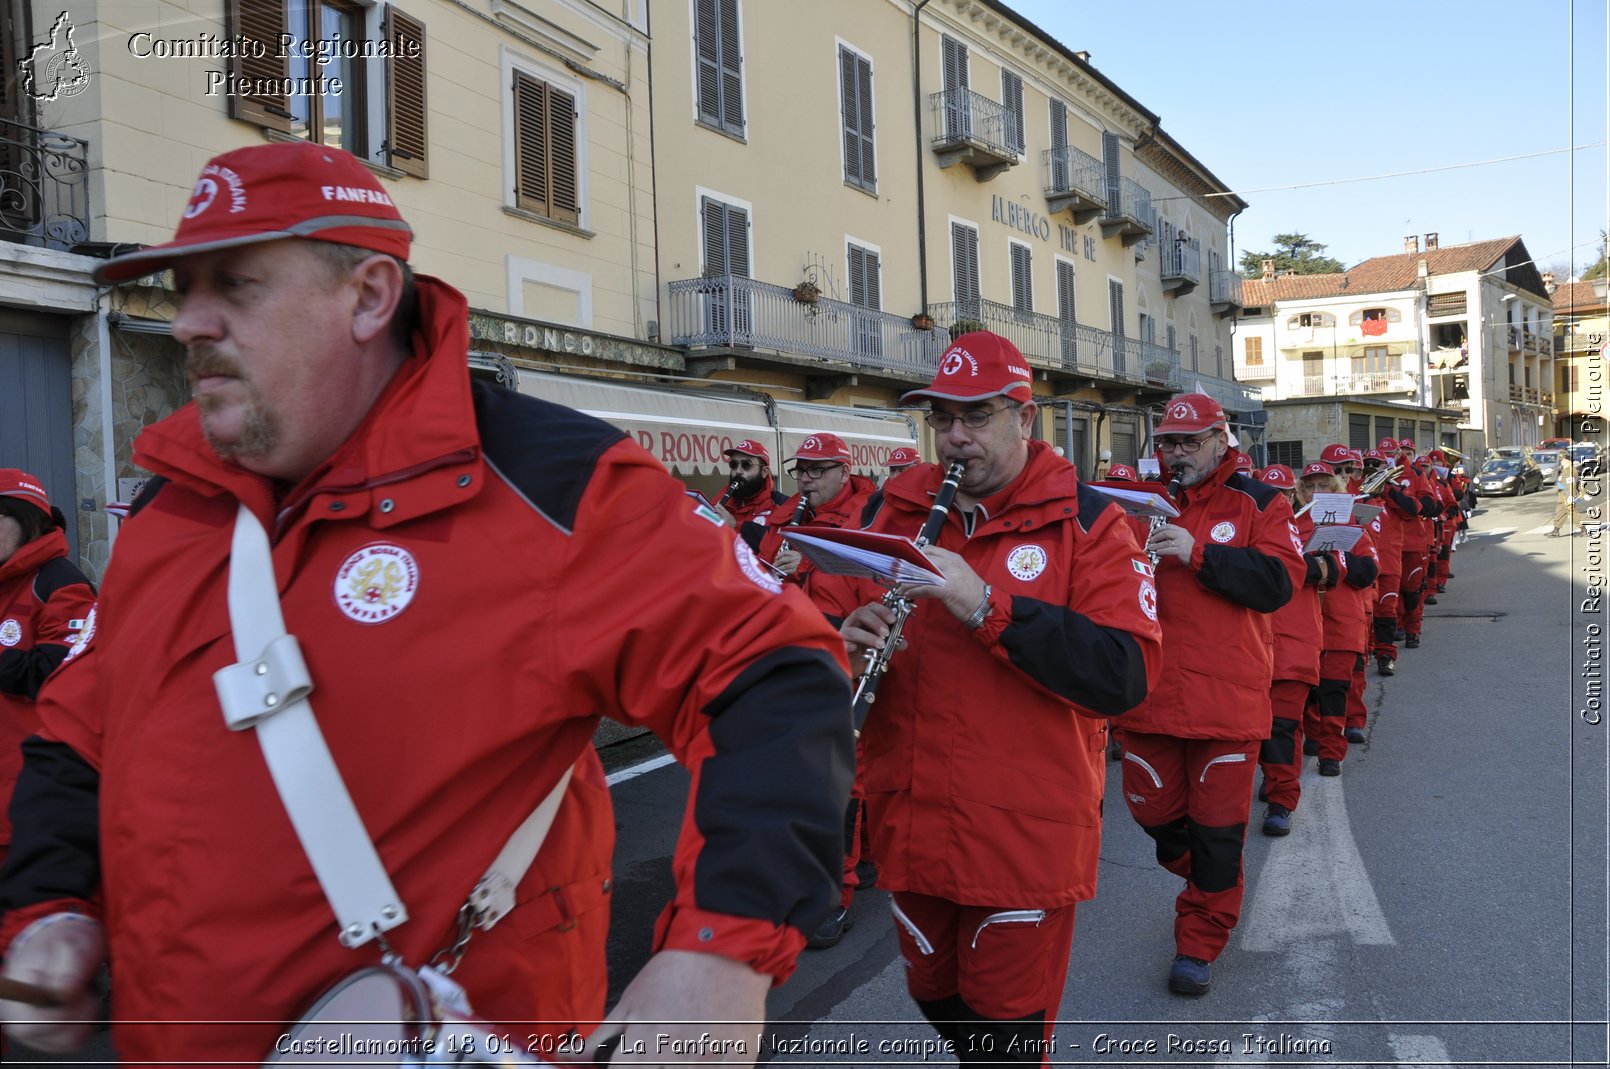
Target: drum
(377, 1016)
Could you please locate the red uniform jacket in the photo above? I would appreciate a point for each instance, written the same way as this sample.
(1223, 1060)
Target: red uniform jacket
(1217, 665)
(758, 507)
(44, 601)
(843, 511)
(983, 758)
(1350, 604)
(546, 571)
(1296, 624)
(1413, 499)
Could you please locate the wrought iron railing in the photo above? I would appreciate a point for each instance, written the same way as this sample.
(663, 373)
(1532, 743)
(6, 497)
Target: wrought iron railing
(1225, 287)
(1245, 371)
(962, 116)
(1128, 199)
(44, 188)
(1182, 260)
(1234, 396)
(728, 310)
(1375, 382)
(1160, 365)
(1070, 170)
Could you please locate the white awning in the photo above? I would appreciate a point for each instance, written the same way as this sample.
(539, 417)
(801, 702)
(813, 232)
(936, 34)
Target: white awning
(686, 429)
(870, 434)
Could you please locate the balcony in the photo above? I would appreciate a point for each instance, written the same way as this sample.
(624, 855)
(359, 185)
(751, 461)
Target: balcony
(1129, 215)
(1391, 382)
(1181, 266)
(1529, 339)
(1588, 344)
(1224, 292)
(971, 128)
(1234, 396)
(1514, 336)
(1545, 345)
(1074, 181)
(1070, 347)
(1259, 372)
(44, 192)
(742, 313)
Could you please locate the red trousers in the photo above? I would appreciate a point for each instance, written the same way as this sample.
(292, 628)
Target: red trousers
(1281, 756)
(1412, 586)
(1326, 717)
(1358, 714)
(1387, 600)
(988, 977)
(1193, 797)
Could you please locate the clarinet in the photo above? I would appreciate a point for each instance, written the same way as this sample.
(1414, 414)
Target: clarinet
(877, 661)
(732, 488)
(1157, 523)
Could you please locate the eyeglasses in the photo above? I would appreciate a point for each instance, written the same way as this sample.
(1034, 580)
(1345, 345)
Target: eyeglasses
(743, 465)
(1169, 443)
(1345, 469)
(815, 471)
(973, 419)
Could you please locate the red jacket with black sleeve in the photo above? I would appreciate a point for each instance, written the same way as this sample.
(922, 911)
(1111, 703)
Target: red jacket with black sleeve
(1217, 665)
(983, 759)
(758, 507)
(1350, 603)
(1412, 499)
(44, 602)
(476, 577)
(843, 511)
(1296, 624)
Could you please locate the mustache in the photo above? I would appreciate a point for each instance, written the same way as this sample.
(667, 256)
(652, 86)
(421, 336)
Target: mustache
(204, 360)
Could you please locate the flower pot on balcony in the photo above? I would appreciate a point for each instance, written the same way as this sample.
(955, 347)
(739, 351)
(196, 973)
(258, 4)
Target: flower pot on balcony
(922, 321)
(964, 326)
(807, 293)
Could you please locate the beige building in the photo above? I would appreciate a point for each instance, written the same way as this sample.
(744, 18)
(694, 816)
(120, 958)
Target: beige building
(1446, 345)
(1581, 324)
(839, 193)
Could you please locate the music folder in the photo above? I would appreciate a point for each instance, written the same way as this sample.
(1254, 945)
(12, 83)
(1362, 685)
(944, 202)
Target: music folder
(867, 554)
(1139, 502)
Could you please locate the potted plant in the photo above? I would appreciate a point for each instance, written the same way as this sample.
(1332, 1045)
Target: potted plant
(807, 292)
(964, 326)
(922, 321)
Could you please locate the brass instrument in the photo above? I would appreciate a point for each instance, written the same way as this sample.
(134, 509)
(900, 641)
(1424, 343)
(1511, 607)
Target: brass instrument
(1374, 483)
(877, 661)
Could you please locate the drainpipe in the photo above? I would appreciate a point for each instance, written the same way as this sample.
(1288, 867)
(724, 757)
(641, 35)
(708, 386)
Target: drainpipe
(916, 107)
(1101, 418)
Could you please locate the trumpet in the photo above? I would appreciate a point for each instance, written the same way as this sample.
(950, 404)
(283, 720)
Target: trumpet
(877, 661)
(1373, 485)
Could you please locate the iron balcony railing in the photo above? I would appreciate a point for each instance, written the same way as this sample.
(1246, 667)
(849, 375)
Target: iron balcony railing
(1529, 339)
(1160, 365)
(728, 310)
(1181, 260)
(1225, 287)
(1070, 170)
(1261, 370)
(1234, 396)
(44, 191)
(1376, 382)
(1051, 341)
(962, 116)
(1128, 199)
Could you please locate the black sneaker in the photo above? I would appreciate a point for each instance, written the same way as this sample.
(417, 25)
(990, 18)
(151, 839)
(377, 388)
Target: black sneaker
(831, 930)
(1431, 599)
(1355, 735)
(1329, 766)
(866, 874)
(1276, 821)
(1189, 976)
(1413, 641)
(1311, 747)
(1399, 635)
(1385, 666)
(1263, 792)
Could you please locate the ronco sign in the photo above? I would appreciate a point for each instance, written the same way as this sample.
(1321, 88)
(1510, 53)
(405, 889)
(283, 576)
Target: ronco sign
(701, 452)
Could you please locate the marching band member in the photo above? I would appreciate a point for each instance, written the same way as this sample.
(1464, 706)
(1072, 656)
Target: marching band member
(983, 754)
(756, 494)
(1398, 509)
(900, 459)
(830, 495)
(1230, 558)
(1412, 486)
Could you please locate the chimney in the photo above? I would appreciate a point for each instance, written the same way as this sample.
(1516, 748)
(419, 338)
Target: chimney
(1548, 283)
(1083, 57)
(1431, 241)
(1268, 270)
(1411, 243)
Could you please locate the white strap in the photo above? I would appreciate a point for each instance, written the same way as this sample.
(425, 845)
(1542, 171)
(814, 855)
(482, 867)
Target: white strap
(268, 690)
(493, 896)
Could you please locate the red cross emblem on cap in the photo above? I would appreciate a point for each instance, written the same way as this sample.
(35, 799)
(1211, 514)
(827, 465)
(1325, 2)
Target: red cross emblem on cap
(1181, 410)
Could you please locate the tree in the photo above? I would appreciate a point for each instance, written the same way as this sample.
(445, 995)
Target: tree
(1295, 254)
(1602, 267)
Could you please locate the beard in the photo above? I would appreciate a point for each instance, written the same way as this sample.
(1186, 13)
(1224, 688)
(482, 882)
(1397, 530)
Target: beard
(751, 486)
(259, 431)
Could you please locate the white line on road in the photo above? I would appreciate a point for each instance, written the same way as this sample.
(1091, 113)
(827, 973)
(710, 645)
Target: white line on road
(1313, 883)
(639, 769)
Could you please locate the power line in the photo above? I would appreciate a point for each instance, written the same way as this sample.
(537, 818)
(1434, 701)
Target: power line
(1394, 174)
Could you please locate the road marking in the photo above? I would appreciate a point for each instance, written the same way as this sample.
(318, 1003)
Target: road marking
(1313, 883)
(1419, 1050)
(1493, 533)
(639, 769)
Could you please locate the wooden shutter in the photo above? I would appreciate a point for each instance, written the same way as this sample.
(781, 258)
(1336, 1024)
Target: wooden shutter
(1059, 146)
(865, 284)
(958, 109)
(855, 89)
(1109, 156)
(732, 94)
(1022, 278)
(1065, 311)
(964, 270)
(406, 140)
(1115, 305)
(545, 150)
(707, 45)
(1012, 100)
(264, 22)
(737, 240)
(713, 219)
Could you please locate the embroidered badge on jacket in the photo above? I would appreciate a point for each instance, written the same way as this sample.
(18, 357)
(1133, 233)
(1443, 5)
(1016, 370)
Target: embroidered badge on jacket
(10, 633)
(1222, 532)
(1026, 562)
(376, 583)
(752, 567)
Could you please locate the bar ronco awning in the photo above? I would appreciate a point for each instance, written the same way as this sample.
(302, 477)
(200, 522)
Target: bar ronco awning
(687, 430)
(870, 434)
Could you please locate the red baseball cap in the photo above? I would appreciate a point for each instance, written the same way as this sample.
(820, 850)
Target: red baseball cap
(1387, 445)
(1242, 461)
(1191, 413)
(14, 482)
(1437, 456)
(1122, 473)
(1406, 444)
(1358, 457)
(1374, 454)
(979, 366)
(1336, 453)
(822, 446)
(1318, 467)
(1278, 476)
(902, 458)
(297, 189)
(749, 448)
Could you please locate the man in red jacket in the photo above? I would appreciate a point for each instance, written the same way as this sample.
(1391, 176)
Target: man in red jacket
(983, 754)
(830, 495)
(473, 577)
(1230, 558)
(1411, 490)
(1398, 510)
(755, 492)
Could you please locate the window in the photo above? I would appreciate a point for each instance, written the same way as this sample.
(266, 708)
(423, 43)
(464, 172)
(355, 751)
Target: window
(1196, 354)
(1059, 146)
(545, 150)
(958, 108)
(1065, 312)
(1446, 304)
(1022, 277)
(1358, 432)
(866, 292)
(1372, 322)
(1376, 361)
(1012, 101)
(855, 108)
(1311, 319)
(725, 229)
(379, 114)
(1288, 453)
(1109, 159)
(964, 271)
(719, 55)
(1255, 352)
(1115, 313)
(1568, 378)
(1218, 361)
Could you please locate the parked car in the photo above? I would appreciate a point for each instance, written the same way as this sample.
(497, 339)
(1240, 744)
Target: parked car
(1548, 462)
(1587, 457)
(1513, 452)
(1555, 443)
(1508, 475)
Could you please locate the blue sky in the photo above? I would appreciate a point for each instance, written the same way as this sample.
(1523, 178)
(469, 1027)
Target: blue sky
(1271, 94)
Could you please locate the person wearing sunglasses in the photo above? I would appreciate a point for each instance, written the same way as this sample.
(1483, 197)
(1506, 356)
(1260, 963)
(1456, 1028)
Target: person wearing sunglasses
(982, 757)
(749, 465)
(1229, 559)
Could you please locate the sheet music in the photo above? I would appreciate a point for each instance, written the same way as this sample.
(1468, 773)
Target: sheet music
(890, 558)
(1331, 508)
(1335, 536)
(1139, 502)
